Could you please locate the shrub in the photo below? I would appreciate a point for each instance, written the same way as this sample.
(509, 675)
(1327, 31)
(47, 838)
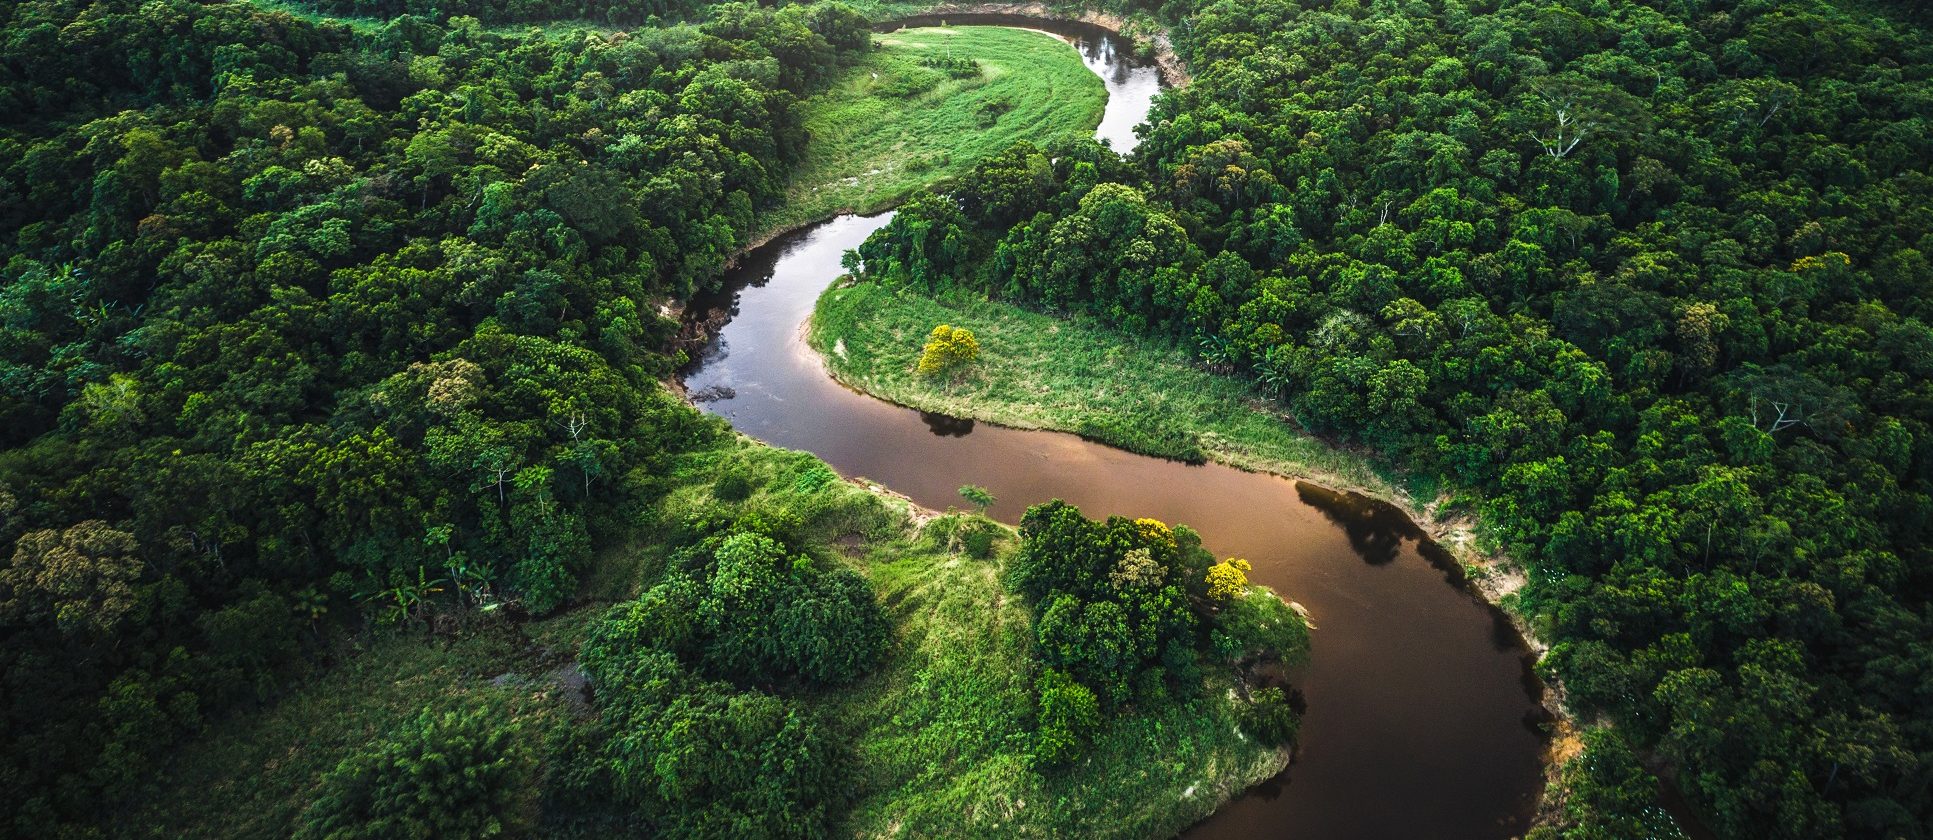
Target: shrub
(696, 758)
(1069, 714)
(753, 613)
(815, 478)
(957, 67)
(979, 537)
(992, 110)
(910, 82)
(1258, 624)
(1269, 718)
(457, 774)
(732, 487)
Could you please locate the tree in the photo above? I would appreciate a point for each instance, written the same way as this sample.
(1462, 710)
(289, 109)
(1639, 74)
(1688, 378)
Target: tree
(81, 578)
(1228, 579)
(455, 774)
(1092, 641)
(947, 349)
(1579, 109)
(1269, 717)
(979, 497)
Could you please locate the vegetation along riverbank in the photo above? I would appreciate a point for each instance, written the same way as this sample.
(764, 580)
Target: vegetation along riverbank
(939, 733)
(341, 493)
(1676, 350)
(343, 499)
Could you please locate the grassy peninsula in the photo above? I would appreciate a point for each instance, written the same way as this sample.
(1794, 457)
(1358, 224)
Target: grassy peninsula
(1037, 371)
(926, 104)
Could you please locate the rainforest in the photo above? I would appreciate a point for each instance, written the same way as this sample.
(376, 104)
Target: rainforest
(1230, 418)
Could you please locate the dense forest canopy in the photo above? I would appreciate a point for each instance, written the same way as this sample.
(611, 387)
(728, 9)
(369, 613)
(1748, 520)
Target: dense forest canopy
(1646, 281)
(300, 321)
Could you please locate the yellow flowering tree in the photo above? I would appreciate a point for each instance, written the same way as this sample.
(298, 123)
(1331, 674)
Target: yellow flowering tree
(1228, 579)
(947, 348)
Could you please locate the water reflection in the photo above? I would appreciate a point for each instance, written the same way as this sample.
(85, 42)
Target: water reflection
(946, 426)
(1375, 530)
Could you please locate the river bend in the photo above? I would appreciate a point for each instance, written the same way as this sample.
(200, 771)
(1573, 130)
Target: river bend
(1421, 710)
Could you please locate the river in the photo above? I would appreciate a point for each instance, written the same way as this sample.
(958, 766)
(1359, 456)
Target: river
(1421, 709)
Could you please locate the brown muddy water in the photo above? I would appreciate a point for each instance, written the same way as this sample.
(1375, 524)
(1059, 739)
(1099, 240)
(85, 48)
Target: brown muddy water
(1421, 713)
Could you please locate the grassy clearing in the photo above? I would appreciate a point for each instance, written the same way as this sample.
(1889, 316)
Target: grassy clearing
(941, 730)
(1078, 375)
(890, 126)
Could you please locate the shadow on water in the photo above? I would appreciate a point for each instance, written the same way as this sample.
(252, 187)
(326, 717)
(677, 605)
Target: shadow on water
(946, 426)
(1376, 530)
(1379, 531)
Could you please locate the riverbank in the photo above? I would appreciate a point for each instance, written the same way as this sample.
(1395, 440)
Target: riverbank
(1147, 37)
(895, 123)
(1077, 375)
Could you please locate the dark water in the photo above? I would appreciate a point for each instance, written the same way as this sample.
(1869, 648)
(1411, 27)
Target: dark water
(1421, 712)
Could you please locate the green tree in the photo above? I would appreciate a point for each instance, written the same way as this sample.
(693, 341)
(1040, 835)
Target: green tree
(80, 578)
(455, 774)
(979, 497)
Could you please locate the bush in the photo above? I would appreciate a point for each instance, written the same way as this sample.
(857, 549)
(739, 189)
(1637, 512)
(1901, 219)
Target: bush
(1069, 714)
(753, 613)
(1160, 441)
(1259, 625)
(732, 487)
(815, 478)
(979, 537)
(1269, 718)
(457, 774)
(957, 67)
(910, 82)
(697, 758)
(992, 110)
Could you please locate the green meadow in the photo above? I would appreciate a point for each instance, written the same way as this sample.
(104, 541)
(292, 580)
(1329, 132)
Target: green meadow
(892, 125)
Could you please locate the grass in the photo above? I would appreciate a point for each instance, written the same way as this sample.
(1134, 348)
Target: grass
(889, 126)
(1037, 371)
(941, 730)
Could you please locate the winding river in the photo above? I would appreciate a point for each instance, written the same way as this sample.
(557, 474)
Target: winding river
(1421, 707)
